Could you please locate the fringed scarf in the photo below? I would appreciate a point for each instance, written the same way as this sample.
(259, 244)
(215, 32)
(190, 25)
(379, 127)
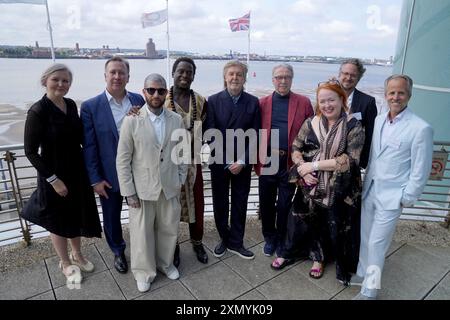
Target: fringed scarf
(332, 144)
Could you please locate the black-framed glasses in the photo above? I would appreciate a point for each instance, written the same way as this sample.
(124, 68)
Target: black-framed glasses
(151, 91)
(331, 81)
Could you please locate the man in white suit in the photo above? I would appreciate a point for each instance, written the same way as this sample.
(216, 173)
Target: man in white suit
(151, 182)
(398, 169)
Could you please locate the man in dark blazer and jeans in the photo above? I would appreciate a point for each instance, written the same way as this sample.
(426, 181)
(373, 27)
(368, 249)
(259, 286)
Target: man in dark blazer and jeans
(234, 111)
(363, 108)
(285, 111)
(102, 117)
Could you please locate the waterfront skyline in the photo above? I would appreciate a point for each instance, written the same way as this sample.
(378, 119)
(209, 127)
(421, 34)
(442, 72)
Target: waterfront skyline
(366, 29)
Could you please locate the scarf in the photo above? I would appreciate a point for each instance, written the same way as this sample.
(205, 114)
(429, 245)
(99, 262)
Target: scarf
(332, 144)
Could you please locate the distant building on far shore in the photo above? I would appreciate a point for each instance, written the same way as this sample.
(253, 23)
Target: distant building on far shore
(150, 51)
(41, 52)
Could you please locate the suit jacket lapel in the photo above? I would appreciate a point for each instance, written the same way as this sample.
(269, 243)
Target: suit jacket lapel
(399, 130)
(168, 128)
(109, 116)
(292, 110)
(355, 101)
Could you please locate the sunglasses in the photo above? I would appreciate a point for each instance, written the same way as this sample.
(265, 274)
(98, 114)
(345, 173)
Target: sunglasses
(151, 91)
(331, 81)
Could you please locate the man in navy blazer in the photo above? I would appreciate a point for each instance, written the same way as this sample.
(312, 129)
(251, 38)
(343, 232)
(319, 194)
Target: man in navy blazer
(235, 113)
(362, 106)
(102, 117)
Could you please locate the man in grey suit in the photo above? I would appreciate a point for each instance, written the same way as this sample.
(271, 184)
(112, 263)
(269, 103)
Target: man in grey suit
(399, 166)
(152, 167)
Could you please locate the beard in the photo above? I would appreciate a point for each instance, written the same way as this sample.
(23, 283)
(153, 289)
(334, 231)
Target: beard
(155, 104)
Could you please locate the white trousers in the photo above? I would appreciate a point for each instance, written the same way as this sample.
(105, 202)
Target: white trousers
(377, 230)
(153, 236)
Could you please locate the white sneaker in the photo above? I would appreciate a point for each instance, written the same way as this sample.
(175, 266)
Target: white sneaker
(360, 296)
(172, 273)
(143, 286)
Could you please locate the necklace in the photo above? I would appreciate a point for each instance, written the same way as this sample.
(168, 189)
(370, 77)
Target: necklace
(194, 106)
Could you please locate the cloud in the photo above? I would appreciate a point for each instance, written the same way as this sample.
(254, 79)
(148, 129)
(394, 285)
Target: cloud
(336, 27)
(292, 27)
(304, 7)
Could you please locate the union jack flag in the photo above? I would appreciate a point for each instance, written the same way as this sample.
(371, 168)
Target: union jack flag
(240, 24)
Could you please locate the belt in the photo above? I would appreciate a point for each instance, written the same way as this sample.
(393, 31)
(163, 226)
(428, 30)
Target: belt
(280, 152)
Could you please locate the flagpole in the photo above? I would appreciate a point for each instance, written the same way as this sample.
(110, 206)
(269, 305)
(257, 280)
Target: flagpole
(248, 52)
(168, 46)
(52, 48)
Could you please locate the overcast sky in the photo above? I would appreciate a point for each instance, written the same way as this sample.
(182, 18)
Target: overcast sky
(358, 28)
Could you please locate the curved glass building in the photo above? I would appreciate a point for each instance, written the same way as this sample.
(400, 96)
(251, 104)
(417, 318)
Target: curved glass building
(423, 53)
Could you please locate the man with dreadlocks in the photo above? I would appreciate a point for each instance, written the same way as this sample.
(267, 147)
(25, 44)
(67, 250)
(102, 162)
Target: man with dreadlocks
(192, 108)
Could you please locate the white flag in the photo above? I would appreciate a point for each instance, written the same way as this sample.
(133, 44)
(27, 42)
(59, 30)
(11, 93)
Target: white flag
(154, 18)
(24, 1)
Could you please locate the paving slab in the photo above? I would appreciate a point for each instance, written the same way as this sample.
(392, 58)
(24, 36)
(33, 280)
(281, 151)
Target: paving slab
(441, 291)
(253, 295)
(25, 282)
(291, 285)
(100, 286)
(440, 252)
(348, 293)
(127, 283)
(411, 273)
(108, 256)
(189, 262)
(217, 282)
(256, 271)
(394, 247)
(90, 252)
(174, 291)
(328, 282)
(44, 296)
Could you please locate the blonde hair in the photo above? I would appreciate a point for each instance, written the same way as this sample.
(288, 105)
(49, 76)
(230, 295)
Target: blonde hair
(52, 69)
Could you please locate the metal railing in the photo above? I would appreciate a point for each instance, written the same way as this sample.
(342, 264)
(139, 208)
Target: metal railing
(18, 181)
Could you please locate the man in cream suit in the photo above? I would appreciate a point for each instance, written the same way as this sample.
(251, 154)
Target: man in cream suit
(151, 174)
(398, 169)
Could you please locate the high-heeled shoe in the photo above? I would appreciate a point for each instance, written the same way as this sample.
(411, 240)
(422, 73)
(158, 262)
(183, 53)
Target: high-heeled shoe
(87, 267)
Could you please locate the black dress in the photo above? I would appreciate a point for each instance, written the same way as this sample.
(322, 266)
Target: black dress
(60, 137)
(325, 233)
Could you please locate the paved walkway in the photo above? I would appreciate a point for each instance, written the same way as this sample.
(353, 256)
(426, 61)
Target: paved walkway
(411, 272)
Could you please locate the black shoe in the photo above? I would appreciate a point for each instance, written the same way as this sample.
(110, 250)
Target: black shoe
(120, 263)
(242, 252)
(176, 256)
(220, 249)
(202, 256)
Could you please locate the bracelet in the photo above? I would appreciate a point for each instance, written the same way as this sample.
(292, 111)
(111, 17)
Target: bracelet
(52, 179)
(315, 165)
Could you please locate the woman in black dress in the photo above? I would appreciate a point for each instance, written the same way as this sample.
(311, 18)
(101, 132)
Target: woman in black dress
(63, 202)
(326, 155)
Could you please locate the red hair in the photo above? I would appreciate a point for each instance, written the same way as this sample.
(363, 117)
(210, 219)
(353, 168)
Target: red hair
(336, 87)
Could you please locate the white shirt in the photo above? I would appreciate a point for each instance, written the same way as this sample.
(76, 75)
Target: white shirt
(350, 100)
(119, 110)
(389, 126)
(159, 124)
